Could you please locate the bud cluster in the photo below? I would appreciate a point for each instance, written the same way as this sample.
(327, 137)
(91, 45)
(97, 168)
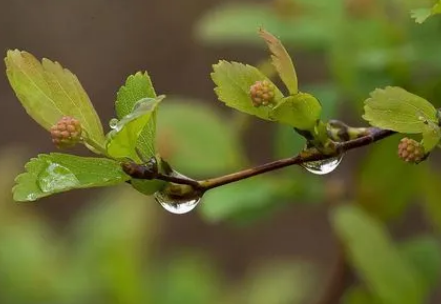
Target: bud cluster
(66, 132)
(410, 150)
(262, 93)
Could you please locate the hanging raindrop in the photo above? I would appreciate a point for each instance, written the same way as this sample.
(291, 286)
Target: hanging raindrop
(322, 167)
(177, 204)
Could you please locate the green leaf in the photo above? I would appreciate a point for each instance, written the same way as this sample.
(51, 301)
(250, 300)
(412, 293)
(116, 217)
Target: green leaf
(424, 252)
(431, 136)
(389, 276)
(421, 14)
(136, 88)
(233, 81)
(48, 92)
(53, 173)
(395, 109)
(241, 200)
(123, 140)
(147, 187)
(300, 111)
(281, 61)
(196, 139)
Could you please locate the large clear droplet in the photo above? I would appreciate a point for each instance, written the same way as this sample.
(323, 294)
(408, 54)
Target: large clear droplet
(56, 177)
(322, 167)
(176, 205)
(113, 123)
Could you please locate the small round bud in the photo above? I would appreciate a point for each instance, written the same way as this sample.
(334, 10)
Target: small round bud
(66, 132)
(411, 151)
(262, 93)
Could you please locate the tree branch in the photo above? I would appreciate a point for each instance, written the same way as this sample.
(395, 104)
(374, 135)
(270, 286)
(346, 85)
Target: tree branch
(362, 137)
(372, 135)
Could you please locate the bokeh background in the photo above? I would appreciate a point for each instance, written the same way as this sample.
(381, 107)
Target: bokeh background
(264, 241)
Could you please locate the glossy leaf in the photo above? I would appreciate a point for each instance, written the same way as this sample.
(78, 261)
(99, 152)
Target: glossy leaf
(233, 81)
(53, 173)
(123, 140)
(395, 109)
(48, 92)
(300, 111)
(379, 263)
(431, 136)
(281, 61)
(136, 88)
(196, 139)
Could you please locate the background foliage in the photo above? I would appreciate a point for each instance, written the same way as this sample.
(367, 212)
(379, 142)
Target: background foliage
(105, 255)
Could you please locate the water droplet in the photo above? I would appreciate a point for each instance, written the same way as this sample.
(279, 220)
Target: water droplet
(55, 178)
(176, 205)
(322, 167)
(113, 123)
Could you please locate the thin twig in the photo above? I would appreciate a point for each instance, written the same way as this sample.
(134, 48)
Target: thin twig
(373, 135)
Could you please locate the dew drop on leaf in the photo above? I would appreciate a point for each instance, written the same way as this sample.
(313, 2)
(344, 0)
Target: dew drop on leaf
(113, 123)
(322, 167)
(56, 177)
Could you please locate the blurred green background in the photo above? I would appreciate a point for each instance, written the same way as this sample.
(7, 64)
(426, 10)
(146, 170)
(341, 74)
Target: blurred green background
(264, 240)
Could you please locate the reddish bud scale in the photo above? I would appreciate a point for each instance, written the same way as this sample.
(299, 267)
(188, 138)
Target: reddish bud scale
(262, 93)
(66, 132)
(410, 150)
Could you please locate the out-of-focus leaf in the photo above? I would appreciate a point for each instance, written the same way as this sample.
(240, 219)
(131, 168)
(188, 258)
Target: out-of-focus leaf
(424, 252)
(394, 108)
(420, 15)
(315, 23)
(429, 185)
(358, 295)
(233, 81)
(123, 140)
(328, 96)
(136, 88)
(379, 263)
(108, 242)
(30, 263)
(378, 175)
(279, 282)
(240, 199)
(53, 173)
(300, 111)
(196, 140)
(281, 61)
(48, 92)
(187, 279)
